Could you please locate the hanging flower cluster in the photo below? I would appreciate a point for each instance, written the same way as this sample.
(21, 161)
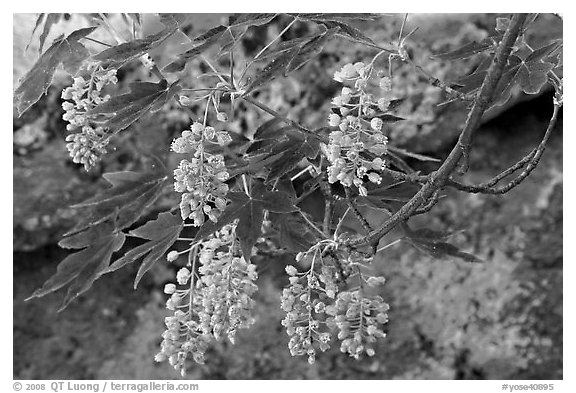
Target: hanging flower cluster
(316, 307)
(355, 150)
(210, 304)
(88, 145)
(202, 178)
(304, 302)
(228, 282)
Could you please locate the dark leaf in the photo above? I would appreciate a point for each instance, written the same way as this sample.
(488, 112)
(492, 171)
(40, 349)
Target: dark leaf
(347, 30)
(525, 70)
(335, 16)
(51, 19)
(250, 19)
(470, 49)
(83, 268)
(293, 233)
(249, 210)
(39, 21)
(274, 68)
(128, 51)
(273, 138)
(310, 50)
(35, 83)
(283, 47)
(210, 38)
(161, 233)
(254, 164)
(131, 193)
(174, 20)
(432, 242)
(386, 117)
(144, 97)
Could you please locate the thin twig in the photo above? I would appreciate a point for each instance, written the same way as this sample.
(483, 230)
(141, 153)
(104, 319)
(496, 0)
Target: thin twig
(274, 40)
(98, 42)
(530, 161)
(311, 224)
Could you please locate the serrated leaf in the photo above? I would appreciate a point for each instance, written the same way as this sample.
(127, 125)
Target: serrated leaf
(39, 21)
(131, 50)
(161, 233)
(273, 138)
(82, 268)
(210, 38)
(35, 83)
(470, 49)
(284, 46)
(131, 193)
(51, 19)
(293, 233)
(336, 16)
(389, 195)
(432, 242)
(249, 211)
(254, 164)
(525, 69)
(144, 97)
(309, 50)
(274, 68)
(246, 20)
(346, 30)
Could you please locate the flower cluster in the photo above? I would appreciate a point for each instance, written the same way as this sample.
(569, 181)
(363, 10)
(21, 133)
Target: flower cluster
(228, 286)
(316, 307)
(356, 147)
(358, 319)
(213, 303)
(202, 178)
(304, 302)
(184, 334)
(87, 146)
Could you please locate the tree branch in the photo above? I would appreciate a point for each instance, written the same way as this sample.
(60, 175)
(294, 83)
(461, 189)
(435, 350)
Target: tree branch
(532, 160)
(439, 178)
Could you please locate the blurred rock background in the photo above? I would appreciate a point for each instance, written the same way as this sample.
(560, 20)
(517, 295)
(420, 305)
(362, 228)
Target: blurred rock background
(448, 319)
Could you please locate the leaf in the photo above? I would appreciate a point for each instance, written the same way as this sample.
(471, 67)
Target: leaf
(39, 20)
(243, 20)
(273, 69)
(128, 51)
(291, 58)
(51, 19)
(249, 210)
(35, 83)
(125, 109)
(273, 139)
(335, 16)
(161, 233)
(210, 38)
(254, 164)
(470, 49)
(346, 30)
(309, 50)
(293, 233)
(432, 242)
(131, 193)
(83, 267)
(525, 69)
